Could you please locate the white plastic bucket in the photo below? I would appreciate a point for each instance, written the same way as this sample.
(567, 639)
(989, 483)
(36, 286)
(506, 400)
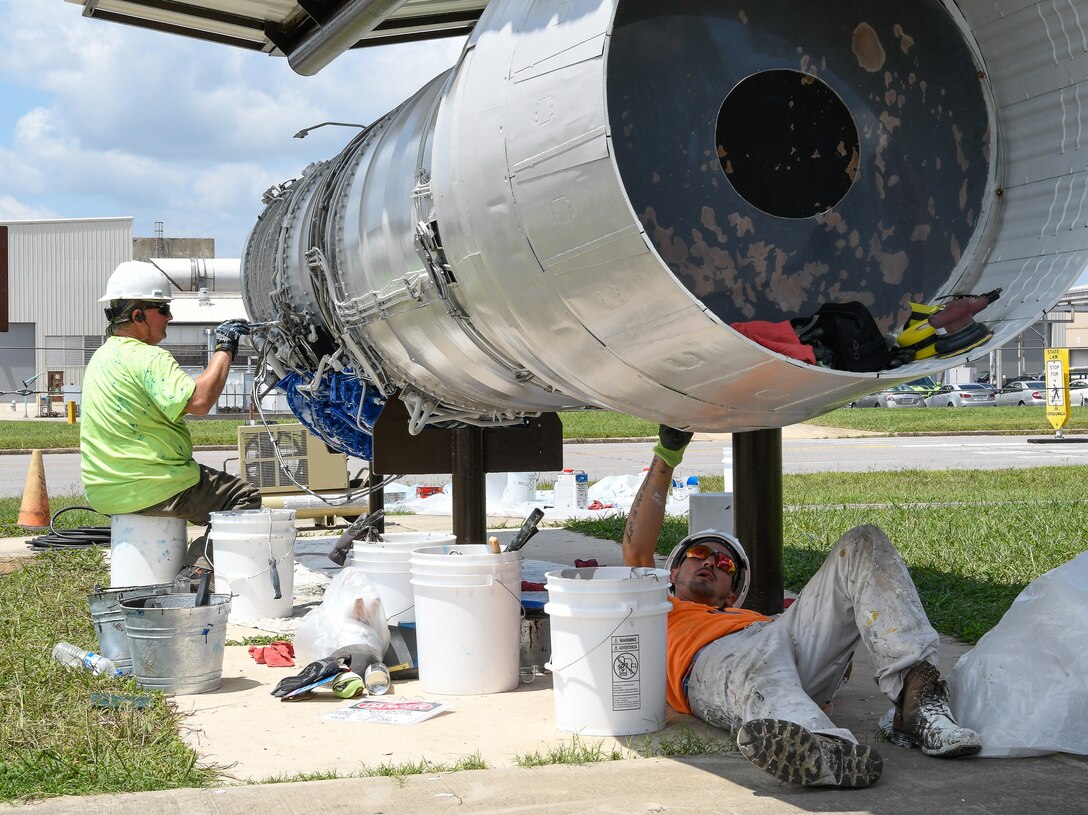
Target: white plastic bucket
(387, 565)
(608, 649)
(145, 549)
(246, 546)
(468, 619)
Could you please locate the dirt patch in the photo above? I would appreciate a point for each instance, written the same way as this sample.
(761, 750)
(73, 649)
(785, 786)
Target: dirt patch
(10, 564)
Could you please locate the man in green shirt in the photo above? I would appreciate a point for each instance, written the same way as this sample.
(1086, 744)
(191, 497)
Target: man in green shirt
(137, 454)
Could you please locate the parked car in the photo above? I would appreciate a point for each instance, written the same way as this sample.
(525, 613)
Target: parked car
(968, 394)
(1022, 393)
(896, 396)
(1024, 378)
(1078, 393)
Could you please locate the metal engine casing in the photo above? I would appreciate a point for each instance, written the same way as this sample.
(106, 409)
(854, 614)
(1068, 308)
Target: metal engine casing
(576, 213)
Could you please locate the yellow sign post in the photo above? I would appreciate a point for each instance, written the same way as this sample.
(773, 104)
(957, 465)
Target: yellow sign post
(1057, 387)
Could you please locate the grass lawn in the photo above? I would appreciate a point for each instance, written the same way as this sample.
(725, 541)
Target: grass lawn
(54, 739)
(606, 424)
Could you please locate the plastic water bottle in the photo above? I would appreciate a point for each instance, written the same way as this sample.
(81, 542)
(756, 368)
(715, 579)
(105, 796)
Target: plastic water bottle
(693, 484)
(376, 678)
(75, 657)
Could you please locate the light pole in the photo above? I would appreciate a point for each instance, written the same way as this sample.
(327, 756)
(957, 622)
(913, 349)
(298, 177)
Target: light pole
(26, 389)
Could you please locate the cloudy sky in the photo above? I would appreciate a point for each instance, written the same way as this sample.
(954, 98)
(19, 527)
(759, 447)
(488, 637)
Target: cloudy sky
(99, 119)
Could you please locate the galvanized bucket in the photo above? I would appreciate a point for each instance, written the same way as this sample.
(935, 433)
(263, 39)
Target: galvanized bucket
(109, 622)
(177, 646)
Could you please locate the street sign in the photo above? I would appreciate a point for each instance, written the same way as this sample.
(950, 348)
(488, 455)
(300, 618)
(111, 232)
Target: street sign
(1057, 387)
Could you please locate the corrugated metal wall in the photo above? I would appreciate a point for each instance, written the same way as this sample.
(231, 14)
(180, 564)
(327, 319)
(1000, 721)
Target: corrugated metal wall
(58, 270)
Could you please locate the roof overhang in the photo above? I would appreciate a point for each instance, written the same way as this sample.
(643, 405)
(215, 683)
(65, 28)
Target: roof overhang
(310, 33)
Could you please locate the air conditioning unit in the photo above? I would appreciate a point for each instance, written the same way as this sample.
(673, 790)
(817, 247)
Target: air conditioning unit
(303, 458)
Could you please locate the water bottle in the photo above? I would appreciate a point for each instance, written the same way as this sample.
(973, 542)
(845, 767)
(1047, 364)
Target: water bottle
(693, 484)
(376, 678)
(75, 657)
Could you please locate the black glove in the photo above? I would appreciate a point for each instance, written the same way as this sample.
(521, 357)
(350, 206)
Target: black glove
(671, 444)
(314, 672)
(227, 335)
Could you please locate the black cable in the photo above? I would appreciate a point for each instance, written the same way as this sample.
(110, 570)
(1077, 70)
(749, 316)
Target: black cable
(77, 538)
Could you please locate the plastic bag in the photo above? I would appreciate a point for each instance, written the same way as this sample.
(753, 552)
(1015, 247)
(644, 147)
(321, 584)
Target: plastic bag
(1024, 687)
(350, 614)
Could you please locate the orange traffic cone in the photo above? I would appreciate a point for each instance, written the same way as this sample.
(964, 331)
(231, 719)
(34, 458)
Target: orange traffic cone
(34, 512)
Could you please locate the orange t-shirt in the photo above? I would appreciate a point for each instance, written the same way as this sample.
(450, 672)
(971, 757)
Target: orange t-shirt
(690, 626)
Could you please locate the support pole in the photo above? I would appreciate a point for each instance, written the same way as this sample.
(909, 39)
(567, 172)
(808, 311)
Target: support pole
(757, 508)
(469, 485)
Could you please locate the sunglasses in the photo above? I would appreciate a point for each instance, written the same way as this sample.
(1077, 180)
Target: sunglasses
(164, 309)
(720, 560)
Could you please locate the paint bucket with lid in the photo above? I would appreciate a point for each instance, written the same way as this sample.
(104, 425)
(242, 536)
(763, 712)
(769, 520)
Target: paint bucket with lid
(468, 619)
(608, 649)
(387, 565)
(253, 553)
(145, 549)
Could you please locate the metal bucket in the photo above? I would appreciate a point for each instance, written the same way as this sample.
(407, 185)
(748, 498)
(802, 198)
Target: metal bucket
(109, 622)
(176, 645)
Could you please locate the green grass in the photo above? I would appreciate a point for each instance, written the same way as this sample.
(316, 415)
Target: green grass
(577, 752)
(971, 539)
(606, 424)
(53, 740)
(898, 421)
(9, 514)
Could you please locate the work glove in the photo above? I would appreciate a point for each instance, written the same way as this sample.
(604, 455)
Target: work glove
(227, 335)
(671, 444)
(310, 675)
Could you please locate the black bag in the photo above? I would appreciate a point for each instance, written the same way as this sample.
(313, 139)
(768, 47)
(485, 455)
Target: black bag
(844, 336)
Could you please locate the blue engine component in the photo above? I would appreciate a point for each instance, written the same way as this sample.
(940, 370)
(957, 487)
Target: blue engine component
(340, 409)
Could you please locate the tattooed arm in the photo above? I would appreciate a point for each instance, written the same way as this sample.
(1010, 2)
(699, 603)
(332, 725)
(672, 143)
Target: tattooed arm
(646, 516)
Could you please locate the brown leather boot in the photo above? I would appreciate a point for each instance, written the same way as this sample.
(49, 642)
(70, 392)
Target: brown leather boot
(923, 718)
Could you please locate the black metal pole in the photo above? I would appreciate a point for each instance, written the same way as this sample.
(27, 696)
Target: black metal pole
(757, 513)
(469, 485)
(377, 502)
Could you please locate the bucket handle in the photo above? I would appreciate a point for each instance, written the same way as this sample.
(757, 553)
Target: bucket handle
(604, 639)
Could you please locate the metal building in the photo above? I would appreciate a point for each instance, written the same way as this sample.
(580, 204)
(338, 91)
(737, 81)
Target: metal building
(52, 273)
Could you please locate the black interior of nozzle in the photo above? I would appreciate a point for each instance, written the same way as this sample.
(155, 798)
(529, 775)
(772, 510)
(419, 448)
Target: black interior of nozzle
(787, 143)
(782, 155)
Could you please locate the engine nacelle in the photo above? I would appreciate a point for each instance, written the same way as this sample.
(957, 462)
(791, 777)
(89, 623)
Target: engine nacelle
(579, 212)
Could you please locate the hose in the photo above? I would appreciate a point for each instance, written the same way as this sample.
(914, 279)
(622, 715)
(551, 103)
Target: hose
(79, 537)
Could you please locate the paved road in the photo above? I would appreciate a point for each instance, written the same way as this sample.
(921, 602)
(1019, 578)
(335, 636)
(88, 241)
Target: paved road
(703, 457)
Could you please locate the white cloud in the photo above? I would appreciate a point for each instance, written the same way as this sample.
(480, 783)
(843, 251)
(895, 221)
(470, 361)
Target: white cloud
(167, 128)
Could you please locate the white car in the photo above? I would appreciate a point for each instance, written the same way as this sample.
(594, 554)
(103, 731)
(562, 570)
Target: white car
(969, 394)
(1022, 393)
(1078, 393)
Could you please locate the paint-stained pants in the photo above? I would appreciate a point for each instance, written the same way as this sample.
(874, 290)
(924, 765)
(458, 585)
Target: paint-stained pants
(786, 668)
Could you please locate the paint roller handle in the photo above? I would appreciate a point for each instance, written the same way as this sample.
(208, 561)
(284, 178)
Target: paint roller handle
(203, 590)
(528, 529)
(274, 573)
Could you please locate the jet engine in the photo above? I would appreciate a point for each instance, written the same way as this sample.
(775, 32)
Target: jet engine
(617, 203)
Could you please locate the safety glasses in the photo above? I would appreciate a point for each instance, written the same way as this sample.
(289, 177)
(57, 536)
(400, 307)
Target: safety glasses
(164, 309)
(720, 560)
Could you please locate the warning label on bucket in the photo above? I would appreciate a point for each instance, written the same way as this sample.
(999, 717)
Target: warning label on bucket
(625, 677)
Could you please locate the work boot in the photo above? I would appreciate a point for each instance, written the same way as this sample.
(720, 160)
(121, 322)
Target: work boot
(791, 753)
(923, 719)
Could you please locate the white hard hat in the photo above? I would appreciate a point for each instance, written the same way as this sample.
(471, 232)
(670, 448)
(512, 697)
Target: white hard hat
(136, 280)
(742, 580)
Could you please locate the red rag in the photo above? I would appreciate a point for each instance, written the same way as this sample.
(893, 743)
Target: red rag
(778, 337)
(585, 564)
(278, 654)
(528, 586)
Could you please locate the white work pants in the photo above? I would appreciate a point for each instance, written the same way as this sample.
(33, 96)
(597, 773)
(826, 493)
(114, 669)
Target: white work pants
(786, 668)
